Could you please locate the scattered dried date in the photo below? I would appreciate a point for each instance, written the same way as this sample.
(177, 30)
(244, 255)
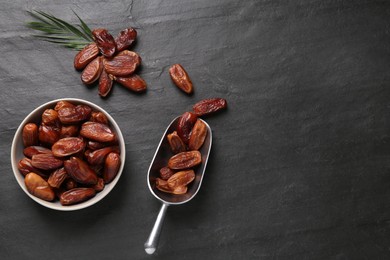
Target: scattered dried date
(104, 41)
(181, 79)
(123, 64)
(132, 82)
(125, 38)
(92, 72)
(209, 106)
(105, 83)
(85, 56)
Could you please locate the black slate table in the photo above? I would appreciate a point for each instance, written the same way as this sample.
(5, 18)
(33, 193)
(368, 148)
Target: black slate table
(300, 160)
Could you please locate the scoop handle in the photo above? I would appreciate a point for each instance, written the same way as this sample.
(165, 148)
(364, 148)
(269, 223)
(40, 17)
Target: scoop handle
(152, 242)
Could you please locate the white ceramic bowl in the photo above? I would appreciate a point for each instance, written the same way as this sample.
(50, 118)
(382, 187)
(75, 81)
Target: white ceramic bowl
(17, 154)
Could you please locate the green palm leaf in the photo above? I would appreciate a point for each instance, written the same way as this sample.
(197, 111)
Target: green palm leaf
(59, 31)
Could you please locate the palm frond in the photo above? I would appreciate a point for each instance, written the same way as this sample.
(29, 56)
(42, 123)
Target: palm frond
(59, 31)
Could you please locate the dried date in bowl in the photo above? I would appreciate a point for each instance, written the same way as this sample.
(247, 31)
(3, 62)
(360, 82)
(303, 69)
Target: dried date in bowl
(18, 147)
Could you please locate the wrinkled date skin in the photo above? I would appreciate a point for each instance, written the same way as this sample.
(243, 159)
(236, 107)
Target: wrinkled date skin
(104, 41)
(70, 184)
(99, 186)
(69, 131)
(105, 83)
(123, 64)
(198, 135)
(75, 114)
(133, 82)
(209, 106)
(76, 195)
(185, 160)
(62, 104)
(57, 177)
(85, 56)
(181, 178)
(25, 166)
(97, 131)
(50, 118)
(162, 185)
(48, 135)
(111, 167)
(93, 145)
(46, 161)
(125, 38)
(181, 79)
(99, 117)
(166, 173)
(38, 187)
(98, 156)
(33, 150)
(185, 125)
(92, 72)
(177, 145)
(30, 134)
(68, 146)
(80, 171)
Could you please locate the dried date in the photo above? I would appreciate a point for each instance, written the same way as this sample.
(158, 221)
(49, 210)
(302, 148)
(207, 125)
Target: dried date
(38, 187)
(76, 195)
(125, 38)
(209, 106)
(46, 161)
(104, 41)
(97, 131)
(181, 79)
(85, 56)
(185, 125)
(177, 145)
(80, 171)
(185, 160)
(198, 135)
(30, 134)
(68, 146)
(122, 64)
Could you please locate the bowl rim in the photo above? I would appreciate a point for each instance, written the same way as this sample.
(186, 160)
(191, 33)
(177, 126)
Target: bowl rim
(56, 205)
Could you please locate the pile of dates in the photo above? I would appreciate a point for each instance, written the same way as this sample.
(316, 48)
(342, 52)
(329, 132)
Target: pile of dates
(107, 60)
(70, 155)
(185, 143)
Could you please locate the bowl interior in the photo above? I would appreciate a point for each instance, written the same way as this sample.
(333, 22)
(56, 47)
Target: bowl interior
(17, 154)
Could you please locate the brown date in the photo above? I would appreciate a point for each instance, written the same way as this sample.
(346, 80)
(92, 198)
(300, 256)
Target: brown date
(93, 145)
(181, 79)
(209, 106)
(111, 167)
(62, 104)
(99, 117)
(26, 167)
(38, 187)
(70, 184)
(177, 145)
(68, 146)
(105, 83)
(46, 161)
(166, 173)
(30, 134)
(162, 185)
(57, 177)
(85, 56)
(99, 186)
(69, 131)
(48, 135)
(50, 118)
(125, 38)
(33, 150)
(181, 178)
(198, 135)
(99, 156)
(185, 125)
(75, 114)
(104, 41)
(123, 64)
(97, 131)
(185, 160)
(92, 72)
(76, 195)
(132, 82)
(80, 171)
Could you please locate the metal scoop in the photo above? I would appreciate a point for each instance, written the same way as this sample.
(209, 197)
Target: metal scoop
(159, 161)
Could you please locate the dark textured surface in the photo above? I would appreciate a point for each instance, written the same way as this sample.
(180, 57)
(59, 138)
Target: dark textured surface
(300, 161)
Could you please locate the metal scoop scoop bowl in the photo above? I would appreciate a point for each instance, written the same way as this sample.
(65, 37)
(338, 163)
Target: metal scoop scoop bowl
(159, 161)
